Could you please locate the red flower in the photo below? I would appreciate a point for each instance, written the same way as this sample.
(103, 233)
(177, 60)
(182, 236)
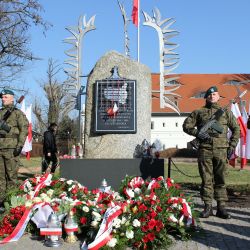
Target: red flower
(73, 210)
(151, 224)
(151, 236)
(153, 214)
(142, 208)
(83, 220)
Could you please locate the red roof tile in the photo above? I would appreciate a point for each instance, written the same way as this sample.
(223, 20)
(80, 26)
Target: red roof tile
(193, 84)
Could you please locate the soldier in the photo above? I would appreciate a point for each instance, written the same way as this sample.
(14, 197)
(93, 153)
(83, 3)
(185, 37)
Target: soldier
(213, 152)
(13, 133)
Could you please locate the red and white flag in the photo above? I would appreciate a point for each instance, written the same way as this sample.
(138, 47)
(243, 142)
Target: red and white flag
(248, 137)
(135, 13)
(27, 147)
(240, 150)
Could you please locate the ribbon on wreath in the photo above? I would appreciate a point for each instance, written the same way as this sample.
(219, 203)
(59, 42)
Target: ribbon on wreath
(22, 224)
(103, 235)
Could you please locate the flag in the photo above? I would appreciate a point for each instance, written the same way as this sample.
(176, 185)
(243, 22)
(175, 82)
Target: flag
(135, 13)
(248, 135)
(27, 147)
(241, 146)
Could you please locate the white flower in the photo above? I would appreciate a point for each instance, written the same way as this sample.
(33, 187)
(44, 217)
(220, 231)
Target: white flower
(28, 203)
(94, 223)
(123, 220)
(50, 192)
(136, 223)
(85, 209)
(69, 182)
(129, 234)
(37, 199)
(137, 190)
(43, 195)
(47, 199)
(112, 242)
(96, 215)
(117, 223)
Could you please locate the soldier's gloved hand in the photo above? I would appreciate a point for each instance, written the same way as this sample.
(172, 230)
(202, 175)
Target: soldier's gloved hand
(203, 136)
(17, 151)
(230, 152)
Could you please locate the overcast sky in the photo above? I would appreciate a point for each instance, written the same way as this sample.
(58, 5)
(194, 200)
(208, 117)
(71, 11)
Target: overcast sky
(213, 35)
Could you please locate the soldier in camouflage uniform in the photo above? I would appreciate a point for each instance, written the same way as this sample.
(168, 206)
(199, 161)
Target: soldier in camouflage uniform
(214, 151)
(13, 133)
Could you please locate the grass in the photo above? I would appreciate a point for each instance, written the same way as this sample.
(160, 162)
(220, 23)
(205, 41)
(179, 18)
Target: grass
(187, 173)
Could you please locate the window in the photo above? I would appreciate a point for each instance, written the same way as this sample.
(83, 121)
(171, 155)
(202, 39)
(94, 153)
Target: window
(152, 125)
(199, 95)
(164, 124)
(232, 82)
(176, 124)
(171, 83)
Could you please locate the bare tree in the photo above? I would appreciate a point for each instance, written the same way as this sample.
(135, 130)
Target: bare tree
(58, 104)
(16, 17)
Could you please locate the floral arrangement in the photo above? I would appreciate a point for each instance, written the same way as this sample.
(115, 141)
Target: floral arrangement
(141, 215)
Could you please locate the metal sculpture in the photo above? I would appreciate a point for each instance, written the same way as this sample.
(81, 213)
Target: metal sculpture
(73, 83)
(168, 58)
(125, 23)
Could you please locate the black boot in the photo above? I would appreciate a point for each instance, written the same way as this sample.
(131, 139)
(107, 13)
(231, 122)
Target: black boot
(208, 210)
(222, 213)
(2, 209)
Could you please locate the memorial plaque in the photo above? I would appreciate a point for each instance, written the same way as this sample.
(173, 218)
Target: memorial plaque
(115, 109)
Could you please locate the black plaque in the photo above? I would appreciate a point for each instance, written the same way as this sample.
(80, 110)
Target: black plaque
(115, 108)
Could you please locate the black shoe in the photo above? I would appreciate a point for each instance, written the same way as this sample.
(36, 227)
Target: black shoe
(223, 214)
(208, 210)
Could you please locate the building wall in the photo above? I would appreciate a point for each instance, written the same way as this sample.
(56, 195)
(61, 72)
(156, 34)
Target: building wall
(169, 131)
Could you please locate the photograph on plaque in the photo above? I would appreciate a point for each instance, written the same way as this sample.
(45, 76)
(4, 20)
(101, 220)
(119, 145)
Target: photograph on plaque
(115, 109)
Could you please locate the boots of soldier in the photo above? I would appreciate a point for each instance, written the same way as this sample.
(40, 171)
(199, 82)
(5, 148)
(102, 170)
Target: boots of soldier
(2, 209)
(208, 210)
(222, 212)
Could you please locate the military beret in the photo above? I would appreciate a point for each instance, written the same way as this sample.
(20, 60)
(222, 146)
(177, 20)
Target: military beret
(210, 91)
(6, 92)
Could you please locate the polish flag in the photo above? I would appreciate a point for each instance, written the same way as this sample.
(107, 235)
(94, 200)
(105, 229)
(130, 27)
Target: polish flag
(135, 13)
(248, 135)
(240, 150)
(27, 147)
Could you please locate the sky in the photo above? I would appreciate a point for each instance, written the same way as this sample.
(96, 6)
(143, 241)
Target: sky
(213, 36)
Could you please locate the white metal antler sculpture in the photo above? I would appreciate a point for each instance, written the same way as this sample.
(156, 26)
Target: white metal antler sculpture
(167, 64)
(125, 23)
(75, 52)
(73, 82)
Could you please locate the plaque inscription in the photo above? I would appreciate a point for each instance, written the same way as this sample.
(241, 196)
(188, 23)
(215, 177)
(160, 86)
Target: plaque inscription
(115, 109)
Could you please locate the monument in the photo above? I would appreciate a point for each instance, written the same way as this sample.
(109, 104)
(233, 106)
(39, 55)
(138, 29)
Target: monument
(118, 107)
(118, 119)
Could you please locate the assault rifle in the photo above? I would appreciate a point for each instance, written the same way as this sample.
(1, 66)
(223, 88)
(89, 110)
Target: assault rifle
(3, 125)
(213, 123)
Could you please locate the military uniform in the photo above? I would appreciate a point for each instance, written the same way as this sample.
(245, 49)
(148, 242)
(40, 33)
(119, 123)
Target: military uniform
(11, 144)
(212, 153)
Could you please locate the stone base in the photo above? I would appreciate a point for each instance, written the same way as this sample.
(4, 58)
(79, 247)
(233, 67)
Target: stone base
(91, 172)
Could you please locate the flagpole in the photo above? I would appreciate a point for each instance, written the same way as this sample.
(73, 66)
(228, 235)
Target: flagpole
(138, 33)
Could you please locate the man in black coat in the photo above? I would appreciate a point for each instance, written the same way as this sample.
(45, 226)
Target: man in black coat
(50, 148)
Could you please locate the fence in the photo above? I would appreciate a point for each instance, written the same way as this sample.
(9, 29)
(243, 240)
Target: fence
(37, 148)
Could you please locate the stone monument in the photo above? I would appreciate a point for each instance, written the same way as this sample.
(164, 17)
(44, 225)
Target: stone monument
(135, 80)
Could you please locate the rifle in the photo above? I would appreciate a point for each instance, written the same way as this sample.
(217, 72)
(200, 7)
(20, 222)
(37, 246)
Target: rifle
(3, 125)
(212, 123)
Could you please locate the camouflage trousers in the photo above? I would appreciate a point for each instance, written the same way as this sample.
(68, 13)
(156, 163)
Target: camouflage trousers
(8, 171)
(212, 166)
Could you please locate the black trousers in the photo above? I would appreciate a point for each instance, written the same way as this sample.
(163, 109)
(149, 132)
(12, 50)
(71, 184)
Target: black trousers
(47, 160)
